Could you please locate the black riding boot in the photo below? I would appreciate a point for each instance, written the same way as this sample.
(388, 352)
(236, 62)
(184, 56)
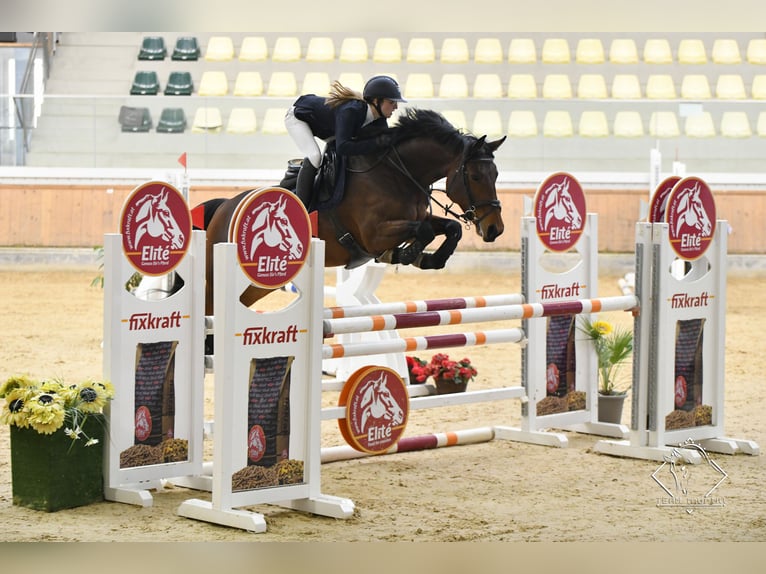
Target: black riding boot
(305, 183)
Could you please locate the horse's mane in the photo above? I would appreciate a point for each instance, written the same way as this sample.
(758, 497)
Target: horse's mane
(415, 122)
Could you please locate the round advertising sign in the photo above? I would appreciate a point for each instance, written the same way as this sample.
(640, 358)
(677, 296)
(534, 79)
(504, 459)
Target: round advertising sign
(272, 231)
(691, 217)
(156, 228)
(659, 200)
(377, 408)
(559, 208)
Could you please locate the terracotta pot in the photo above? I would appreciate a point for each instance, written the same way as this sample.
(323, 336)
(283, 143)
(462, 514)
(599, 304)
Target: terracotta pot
(445, 387)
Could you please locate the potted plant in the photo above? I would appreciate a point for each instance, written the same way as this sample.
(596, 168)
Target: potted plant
(416, 368)
(450, 376)
(613, 347)
(57, 433)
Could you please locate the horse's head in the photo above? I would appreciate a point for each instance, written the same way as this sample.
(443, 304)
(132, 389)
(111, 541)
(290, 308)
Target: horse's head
(692, 211)
(559, 205)
(155, 218)
(378, 402)
(272, 227)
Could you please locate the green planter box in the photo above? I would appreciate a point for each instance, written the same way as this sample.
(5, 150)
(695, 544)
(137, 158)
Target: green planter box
(48, 475)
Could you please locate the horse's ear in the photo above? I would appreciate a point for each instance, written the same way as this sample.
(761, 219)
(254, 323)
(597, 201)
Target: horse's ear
(496, 144)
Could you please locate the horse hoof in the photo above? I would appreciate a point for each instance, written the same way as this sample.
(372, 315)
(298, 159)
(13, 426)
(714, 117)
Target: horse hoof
(409, 254)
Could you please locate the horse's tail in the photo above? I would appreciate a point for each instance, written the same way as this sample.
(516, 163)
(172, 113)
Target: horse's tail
(203, 213)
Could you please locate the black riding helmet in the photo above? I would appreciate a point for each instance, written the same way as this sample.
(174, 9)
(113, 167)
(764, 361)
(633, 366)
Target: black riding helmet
(382, 87)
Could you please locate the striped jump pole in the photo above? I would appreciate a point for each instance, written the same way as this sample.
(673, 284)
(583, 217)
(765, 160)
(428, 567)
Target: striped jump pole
(423, 305)
(332, 327)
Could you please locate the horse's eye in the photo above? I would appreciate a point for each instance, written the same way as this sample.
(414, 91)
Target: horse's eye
(475, 177)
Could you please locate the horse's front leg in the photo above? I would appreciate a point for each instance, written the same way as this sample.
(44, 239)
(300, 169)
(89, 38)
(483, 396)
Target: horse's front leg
(452, 231)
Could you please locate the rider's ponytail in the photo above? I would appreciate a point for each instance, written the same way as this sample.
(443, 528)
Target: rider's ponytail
(340, 94)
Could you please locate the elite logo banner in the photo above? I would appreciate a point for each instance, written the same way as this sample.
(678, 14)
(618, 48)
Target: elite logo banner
(691, 218)
(559, 208)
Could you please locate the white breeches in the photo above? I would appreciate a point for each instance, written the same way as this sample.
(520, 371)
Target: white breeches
(303, 137)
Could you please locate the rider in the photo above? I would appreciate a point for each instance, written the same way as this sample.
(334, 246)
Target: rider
(341, 115)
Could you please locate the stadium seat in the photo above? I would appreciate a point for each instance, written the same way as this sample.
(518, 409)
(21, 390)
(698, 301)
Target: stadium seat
(213, 83)
(172, 121)
(628, 124)
(320, 49)
(623, 51)
(282, 85)
(186, 48)
(418, 85)
(556, 51)
(286, 49)
(179, 84)
(522, 124)
(353, 50)
(660, 87)
(664, 124)
(591, 86)
(453, 86)
(274, 122)
(589, 51)
(387, 51)
(456, 118)
(756, 51)
(699, 125)
(253, 49)
(145, 83)
(248, 84)
(657, 51)
(487, 86)
(488, 51)
(207, 120)
(557, 86)
(241, 121)
(421, 51)
(353, 80)
(691, 51)
(219, 49)
(487, 122)
(695, 87)
(522, 51)
(557, 124)
(135, 119)
(522, 86)
(152, 48)
(626, 87)
(593, 124)
(454, 51)
(725, 51)
(735, 125)
(758, 87)
(316, 83)
(761, 124)
(730, 87)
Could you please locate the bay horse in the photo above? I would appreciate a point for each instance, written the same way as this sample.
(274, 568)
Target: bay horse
(386, 212)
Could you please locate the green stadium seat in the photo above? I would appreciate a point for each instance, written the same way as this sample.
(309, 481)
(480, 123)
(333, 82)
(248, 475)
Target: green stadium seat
(145, 83)
(135, 119)
(186, 48)
(172, 121)
(152, 48)
(179, 84)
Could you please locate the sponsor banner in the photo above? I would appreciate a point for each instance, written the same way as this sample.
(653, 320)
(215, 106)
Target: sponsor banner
(559, 208)
(691, 218)
(659, 200)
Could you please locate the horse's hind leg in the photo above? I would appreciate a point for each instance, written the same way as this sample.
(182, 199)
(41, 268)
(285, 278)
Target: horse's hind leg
(452, 231)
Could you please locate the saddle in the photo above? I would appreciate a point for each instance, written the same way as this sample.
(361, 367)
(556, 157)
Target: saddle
(325, 196)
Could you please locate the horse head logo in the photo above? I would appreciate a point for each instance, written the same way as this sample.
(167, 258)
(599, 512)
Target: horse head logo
(692, 212)
(272, 227)
(560, 205)
(377, 402)
(155, 218)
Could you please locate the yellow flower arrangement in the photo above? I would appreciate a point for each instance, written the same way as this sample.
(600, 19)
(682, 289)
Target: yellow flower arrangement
(613, 347)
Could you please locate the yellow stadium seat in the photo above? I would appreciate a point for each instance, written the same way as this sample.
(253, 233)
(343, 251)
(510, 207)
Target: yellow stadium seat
(320, 49)
(421, 51)
(522, 86)
(695, 87)
(274, 122)
(522, 51)
(456, 118)
(726, 51)
(623, 51)
(286, 49)
(557, 124)
(522, 124)
(488, 51)
(241, 121)
(213, 83)
(454, 51)
(487, 86)
(353, 80)
(418, 85)
(589, 51)
(282, 85)
(316, 83)
(219, 49)
(453, 86)
(591, 86)
(730, 87)
(735, 125)
(691, 51)
(660, 87)
(207, 120)
(557, 86)
(758, 87)
(353, 50)
(657, 51)
(248, 84)
(556, 51)
(626, 87)
(699, 125)
(487, 122)
(387, 51)
(664, 124)
(761, 124)
(593, 124)
(756, 51)
(253, 49)
(628, 124)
